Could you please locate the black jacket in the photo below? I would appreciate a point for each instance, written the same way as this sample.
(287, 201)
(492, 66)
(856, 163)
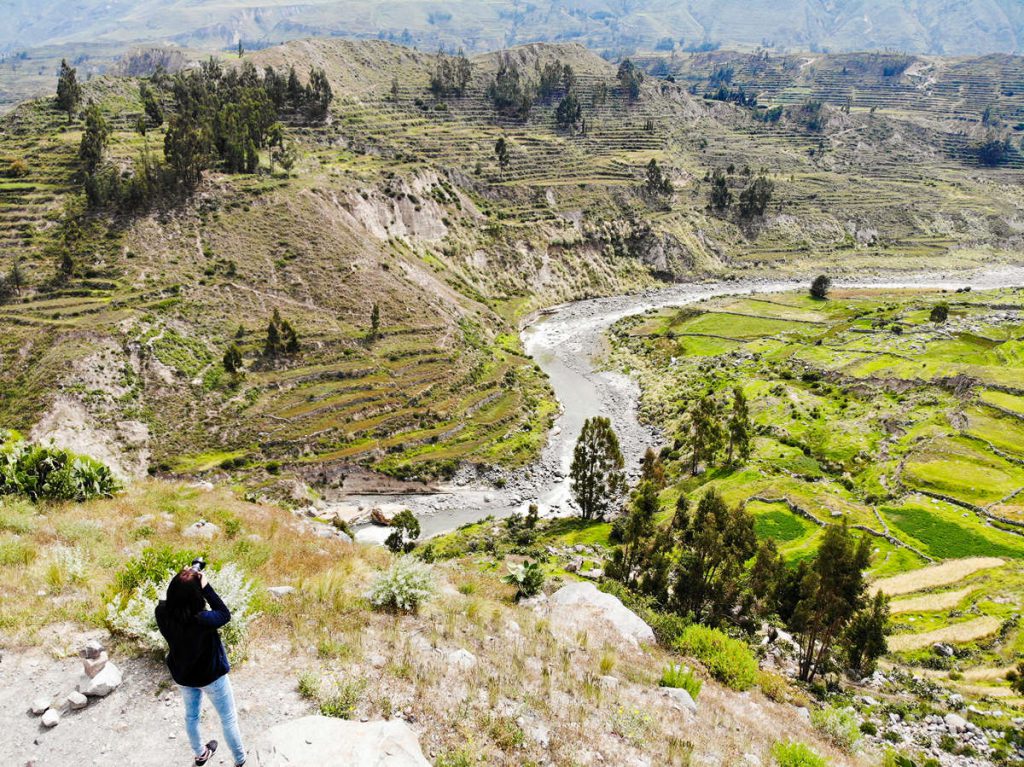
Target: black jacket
(196, 657)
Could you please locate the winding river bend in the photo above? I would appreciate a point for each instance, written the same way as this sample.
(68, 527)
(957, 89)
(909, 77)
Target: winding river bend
(567, 343)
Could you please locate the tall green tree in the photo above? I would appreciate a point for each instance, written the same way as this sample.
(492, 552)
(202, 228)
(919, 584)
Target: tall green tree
(233, 359)
(831, 593)
(720, 196)
(94, 139)
(754, 200)
(502, 154)
(657, 183)
(864, 639)
(69, 92)
(739, 427)
(630, 78)
(715, 545)
(596, 472)
(820, 287)
(705, 432)
(652, 469)
(281, 337)
(188, 149)
(569, 112)
(632, 558)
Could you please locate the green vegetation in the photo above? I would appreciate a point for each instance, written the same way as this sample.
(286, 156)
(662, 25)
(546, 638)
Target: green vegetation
(796, 754)
(46, 473)
(728, 660)
(845, 428)
(681, 677)
(596, 472)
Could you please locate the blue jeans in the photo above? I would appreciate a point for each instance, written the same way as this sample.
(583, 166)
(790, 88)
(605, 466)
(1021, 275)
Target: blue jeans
(223, 700)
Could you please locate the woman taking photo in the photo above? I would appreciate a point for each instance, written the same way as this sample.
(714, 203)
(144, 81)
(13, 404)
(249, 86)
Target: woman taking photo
(197, 659)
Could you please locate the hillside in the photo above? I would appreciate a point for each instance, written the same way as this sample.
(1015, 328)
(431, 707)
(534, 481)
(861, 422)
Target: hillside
(34, 36)
(398, 201)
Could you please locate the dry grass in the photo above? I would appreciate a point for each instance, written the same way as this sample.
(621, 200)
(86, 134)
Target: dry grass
(943, 600)
(932, 577)
(960, 632)
(524, 679)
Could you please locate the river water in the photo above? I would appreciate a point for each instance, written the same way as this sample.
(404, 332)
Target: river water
(567, 342)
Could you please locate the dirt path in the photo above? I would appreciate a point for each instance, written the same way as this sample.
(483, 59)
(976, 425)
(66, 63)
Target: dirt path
(567, 344)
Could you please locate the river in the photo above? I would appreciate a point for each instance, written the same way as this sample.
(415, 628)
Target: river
(567, 343)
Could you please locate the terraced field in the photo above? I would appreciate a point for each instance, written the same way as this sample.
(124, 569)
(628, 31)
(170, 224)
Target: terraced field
(866, 411)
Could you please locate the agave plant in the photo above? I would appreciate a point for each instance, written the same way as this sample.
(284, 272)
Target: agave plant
(527, 577)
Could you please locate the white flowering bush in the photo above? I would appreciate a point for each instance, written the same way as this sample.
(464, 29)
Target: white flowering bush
(403, 586)
(133, 614)
(67, 566)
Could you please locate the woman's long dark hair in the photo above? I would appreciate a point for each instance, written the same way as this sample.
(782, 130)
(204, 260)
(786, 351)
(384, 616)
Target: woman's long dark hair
(184, 598)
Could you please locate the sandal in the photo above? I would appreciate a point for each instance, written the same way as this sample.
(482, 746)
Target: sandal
(211, 748)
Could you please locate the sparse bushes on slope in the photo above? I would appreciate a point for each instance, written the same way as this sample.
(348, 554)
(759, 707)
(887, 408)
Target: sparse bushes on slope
(527, 577)
(796, 754)
(49, 473)
(839, 725)
(681, 677)
(728, 660)
(405, 585)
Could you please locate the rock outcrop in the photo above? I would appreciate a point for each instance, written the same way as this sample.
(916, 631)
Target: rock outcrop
(326, 742)
(578, 605)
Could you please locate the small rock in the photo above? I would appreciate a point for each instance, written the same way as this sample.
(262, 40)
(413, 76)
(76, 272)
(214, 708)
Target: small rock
(77, 701)
(608, 682)
(51, 718)
(681, 698)
(92, 649)
(201, 529)
(281, 591)
(94, 665)
(944, 650)
(804, 713)
(39, 705)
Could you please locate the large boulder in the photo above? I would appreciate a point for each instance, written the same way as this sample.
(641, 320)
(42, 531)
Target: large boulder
(320, 741)
(579, 605)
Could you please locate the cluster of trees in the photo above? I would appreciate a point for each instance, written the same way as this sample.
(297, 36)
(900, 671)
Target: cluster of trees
(451, 75)
(738, 96)
(657, 183)
(630, 78)
(511, 91)
(711, 431)
(281, 337)
(218, 118)
(754, 198)
(993, 150)
(707, 564)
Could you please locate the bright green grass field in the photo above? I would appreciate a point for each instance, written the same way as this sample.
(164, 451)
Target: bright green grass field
(944, 532)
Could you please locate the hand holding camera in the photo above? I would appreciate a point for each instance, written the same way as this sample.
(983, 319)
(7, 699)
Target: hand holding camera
(199, 565)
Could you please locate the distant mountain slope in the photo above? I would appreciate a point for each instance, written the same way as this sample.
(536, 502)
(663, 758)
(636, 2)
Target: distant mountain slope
(951, 27)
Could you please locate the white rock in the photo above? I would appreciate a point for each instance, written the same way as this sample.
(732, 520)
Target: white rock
(280, 591)
(39, 705)
(320, 741)
(101, 685)
(955, 723)
(462, 659)
(201, 529)
(577, 605)
(51, 718)
(77, 700)
(681, 698)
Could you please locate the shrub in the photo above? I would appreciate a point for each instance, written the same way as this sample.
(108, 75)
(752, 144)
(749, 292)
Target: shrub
(839, 725)
(49, 473)
(403, 586)
(130, 611)
(796, 754)
(869, 728)
(527, 577)
(775, 687)
(342, 702)
(632, 724)
(681, 677)
(67, 566)
(309, 685)
(15, 551)
(728, 660)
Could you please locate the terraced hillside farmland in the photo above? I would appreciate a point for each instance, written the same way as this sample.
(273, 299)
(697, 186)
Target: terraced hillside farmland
(868, 412)
(955, 101)
(398, 201)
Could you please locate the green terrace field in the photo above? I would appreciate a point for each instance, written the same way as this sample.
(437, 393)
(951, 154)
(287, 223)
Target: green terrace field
(867, 411)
